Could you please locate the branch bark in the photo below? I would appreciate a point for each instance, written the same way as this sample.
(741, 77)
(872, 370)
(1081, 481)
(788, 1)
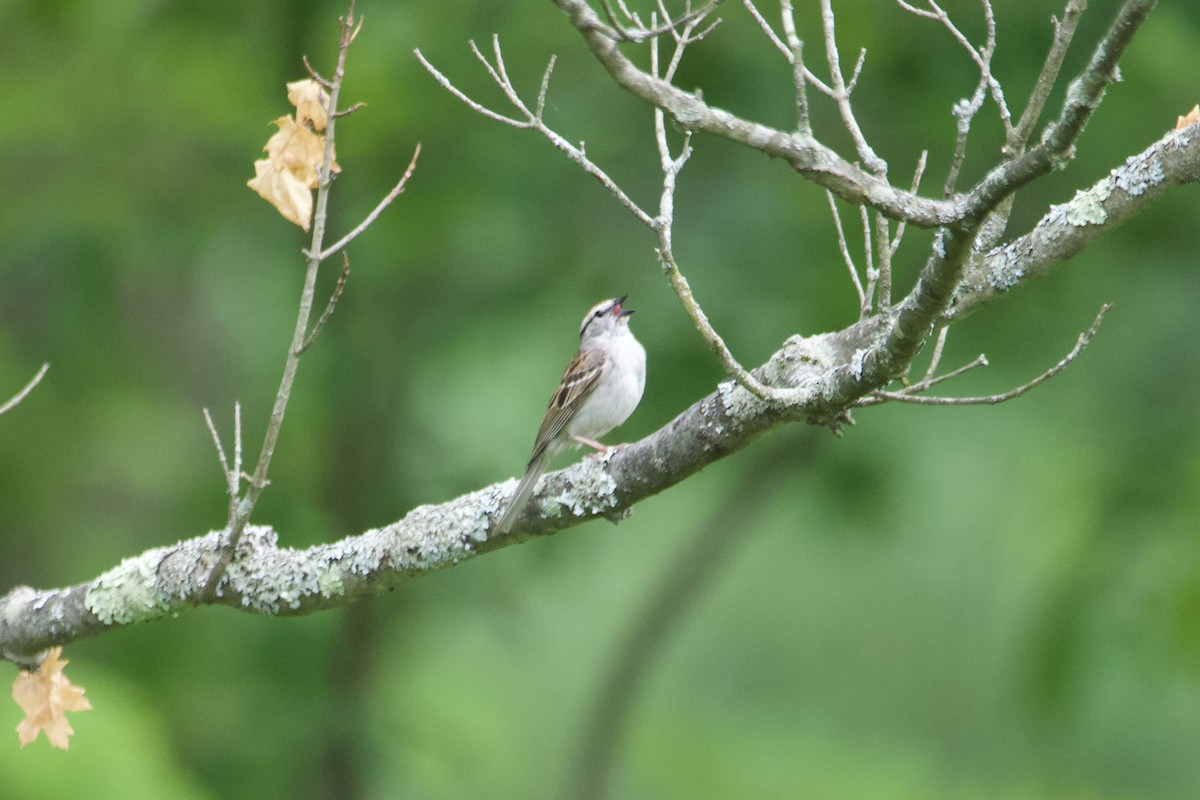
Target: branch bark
(801, 150)
(825, 374)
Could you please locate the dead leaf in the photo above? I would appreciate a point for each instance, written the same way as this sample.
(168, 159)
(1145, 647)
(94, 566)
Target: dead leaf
(45, 696)
(288, 173)
(311, 102)
(1192, 116)
(297, 150)
(291, 197)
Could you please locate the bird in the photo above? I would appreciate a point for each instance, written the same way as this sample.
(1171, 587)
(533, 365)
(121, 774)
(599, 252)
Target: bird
(600, 388)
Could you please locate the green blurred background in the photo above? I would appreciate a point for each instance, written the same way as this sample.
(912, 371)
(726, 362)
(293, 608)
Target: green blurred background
(945, 603)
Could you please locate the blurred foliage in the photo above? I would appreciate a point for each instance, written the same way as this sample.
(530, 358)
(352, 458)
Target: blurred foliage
(985, 603)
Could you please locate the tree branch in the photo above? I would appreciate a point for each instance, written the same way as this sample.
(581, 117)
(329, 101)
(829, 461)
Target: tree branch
(911, 396)
(823, 376)
(905, 332)
(16, 399)
(802, 151)
(1069, 228)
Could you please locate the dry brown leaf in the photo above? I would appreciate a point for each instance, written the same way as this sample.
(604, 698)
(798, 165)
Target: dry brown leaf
(288, 173)
(296, 149)
(1192, 116)
(45, 696)
(310, 101)
(291, 197)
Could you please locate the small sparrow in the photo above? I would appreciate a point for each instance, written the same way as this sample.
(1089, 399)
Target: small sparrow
(599, 390)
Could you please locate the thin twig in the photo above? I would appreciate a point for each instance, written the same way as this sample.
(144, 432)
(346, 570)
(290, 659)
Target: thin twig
(981, 56)
(1082, 342)
(544, 89)
(396, 191)
(478, 108)
(858, 66)
(316, 76)
(534, 122)
(328, 312)
(880, 276)
(979, 361)
(664, 223)
(237, 440)
(841, 94)
(232, 474)
(938, 346)
(795, 49)
(1064, 31)
(16, 399)
(965, 110)
(345, 112)
(845, 250)
(216, 438)
(902, 225)
(869, 269)
(762, 23)
(619, 32)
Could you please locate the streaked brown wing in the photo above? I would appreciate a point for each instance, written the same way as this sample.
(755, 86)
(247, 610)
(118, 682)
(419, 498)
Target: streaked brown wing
(578, 381)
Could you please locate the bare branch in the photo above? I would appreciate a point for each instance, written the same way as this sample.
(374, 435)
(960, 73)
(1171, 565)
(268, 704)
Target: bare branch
(328, 312)
(902, 225)
(16, 399)
(258, 481)
(478, 108)
(375, 212)
(858, 66)
(545, 87)
(533, 121)
(1067, 229)
(664, 223)
(981, 56)
(216, 438)
(863, 302)
(965, 110)
(1064, 31)
(639, 33)
(1083, 97)
(795, 51)
(345, 112)
(1081, 343)
(766, 27)
(231, 472)
(316, 76)
(936, 359)
(805, 154)
(841, 93)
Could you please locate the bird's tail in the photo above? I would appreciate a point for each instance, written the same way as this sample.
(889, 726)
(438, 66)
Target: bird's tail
(537, 465)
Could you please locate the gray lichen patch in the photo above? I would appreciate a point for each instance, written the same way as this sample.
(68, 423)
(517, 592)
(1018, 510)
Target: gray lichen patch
(1087, 208)
(1140, 172)
(588, 490)
(271, 579)
(129, 592)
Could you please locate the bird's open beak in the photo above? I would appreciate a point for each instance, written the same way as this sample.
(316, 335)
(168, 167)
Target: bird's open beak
(619, 307)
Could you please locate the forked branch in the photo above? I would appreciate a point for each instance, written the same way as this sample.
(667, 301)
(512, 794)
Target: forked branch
(912, 393)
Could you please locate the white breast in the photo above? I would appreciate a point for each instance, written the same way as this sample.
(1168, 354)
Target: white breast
(619, 390)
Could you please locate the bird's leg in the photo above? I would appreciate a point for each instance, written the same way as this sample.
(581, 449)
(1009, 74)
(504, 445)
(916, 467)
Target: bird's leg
(603, 448)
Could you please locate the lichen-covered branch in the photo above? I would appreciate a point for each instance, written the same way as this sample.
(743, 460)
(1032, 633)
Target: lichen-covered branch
(954, 245)
(1067, 229)
(823, 376)
(264, 578)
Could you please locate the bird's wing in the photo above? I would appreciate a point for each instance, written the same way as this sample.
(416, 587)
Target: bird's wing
(578, 381)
